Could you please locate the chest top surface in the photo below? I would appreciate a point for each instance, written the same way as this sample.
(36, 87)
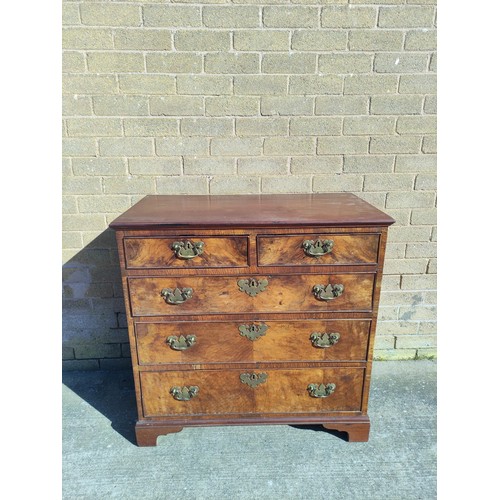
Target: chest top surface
(335, 209)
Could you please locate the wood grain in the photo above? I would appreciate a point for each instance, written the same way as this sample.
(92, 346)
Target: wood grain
(282, 341)
(157, 253)
(332, 209)
(348, 249)
(248, 237)
(222, 294)
(222, 392)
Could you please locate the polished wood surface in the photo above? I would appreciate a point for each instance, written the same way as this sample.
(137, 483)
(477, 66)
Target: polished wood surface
(282, 341)
(334, 209)
(246, 238)
(292, 293)
(157, 253)
(222, 392)
(347, 249)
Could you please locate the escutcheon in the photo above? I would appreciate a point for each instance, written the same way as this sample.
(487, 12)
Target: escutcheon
(187, 249)
(253, 286)
(177, 295)
(254, 331)
(324, 340)
(253, 379)
(321, 390)
(184, 393)
(328, 292)
(181, 343)
(317, 248)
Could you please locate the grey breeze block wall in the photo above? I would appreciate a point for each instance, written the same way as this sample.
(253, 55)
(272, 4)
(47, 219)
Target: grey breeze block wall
(247, 96)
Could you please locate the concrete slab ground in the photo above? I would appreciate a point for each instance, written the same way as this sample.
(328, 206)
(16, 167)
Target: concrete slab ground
(101, 460)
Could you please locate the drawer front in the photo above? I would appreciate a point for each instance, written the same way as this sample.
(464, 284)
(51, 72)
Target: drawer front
(186, 252)
(318, 249)
(262, 340)
(275, 294)
(223, 392)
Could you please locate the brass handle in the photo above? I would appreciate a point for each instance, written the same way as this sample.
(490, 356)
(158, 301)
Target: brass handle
(321, 390)
(184, 393)
(181, 343)
(324, 340)
(253, 379)
(176, 296)
(328, 292)
(253, 286)
(253, 332)
(317, 248)
(187, 249)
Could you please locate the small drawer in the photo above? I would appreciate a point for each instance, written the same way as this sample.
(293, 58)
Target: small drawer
(186, 252)
(318, 249)
(180, 295)
(251, 341)
(268, 391)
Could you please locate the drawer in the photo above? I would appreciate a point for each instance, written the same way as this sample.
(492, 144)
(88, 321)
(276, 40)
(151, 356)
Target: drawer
(262, 340)
(318, 249)
(186, 252)
(275, 294)
(207, 392)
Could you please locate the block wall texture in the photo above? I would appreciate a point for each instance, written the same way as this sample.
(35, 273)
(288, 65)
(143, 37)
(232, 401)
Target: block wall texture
(227, 97)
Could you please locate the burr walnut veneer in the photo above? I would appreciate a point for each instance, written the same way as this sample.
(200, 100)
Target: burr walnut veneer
(251, 309)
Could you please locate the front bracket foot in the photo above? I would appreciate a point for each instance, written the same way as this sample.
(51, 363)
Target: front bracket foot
(356, 431)
(147, 434)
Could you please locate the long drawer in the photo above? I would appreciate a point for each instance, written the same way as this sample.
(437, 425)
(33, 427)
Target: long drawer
(263, 294)
(261, 340)
(204, 392)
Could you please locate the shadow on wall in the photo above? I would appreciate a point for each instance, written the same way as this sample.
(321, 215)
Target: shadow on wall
(94, 322)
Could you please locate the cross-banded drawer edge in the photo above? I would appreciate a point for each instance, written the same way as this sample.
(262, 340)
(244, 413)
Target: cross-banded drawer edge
(259, 340)
(185, 252)
(230, 391)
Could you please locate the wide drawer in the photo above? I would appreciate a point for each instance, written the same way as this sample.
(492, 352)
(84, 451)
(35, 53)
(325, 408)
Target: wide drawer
(186, 252)
(270, 391)
(223, 342)
(265, 294)
(318, 249)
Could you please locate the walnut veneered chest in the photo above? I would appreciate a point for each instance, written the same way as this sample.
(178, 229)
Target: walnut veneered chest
(251, 309)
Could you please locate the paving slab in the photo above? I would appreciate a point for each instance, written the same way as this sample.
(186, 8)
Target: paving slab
(275, 462)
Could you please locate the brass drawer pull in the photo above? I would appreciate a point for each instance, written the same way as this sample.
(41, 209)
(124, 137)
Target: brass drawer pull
(321, 390)
(252, 286)
(184, 393)
(324, 340)
(328, 292)
(317, 248)
(253, 332)
(176, 296)
(181, 343)
(253, 379)
(187, 249)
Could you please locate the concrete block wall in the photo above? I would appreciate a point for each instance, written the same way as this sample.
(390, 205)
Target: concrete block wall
(228, 97)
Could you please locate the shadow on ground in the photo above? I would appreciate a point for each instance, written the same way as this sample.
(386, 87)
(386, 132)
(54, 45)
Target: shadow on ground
(111, 393)
(319, 428)
(101, 459)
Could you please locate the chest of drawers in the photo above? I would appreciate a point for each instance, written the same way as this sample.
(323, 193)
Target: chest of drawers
(251, 309)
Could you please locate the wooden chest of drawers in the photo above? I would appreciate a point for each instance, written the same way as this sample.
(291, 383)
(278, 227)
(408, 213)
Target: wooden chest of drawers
(251, 309)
